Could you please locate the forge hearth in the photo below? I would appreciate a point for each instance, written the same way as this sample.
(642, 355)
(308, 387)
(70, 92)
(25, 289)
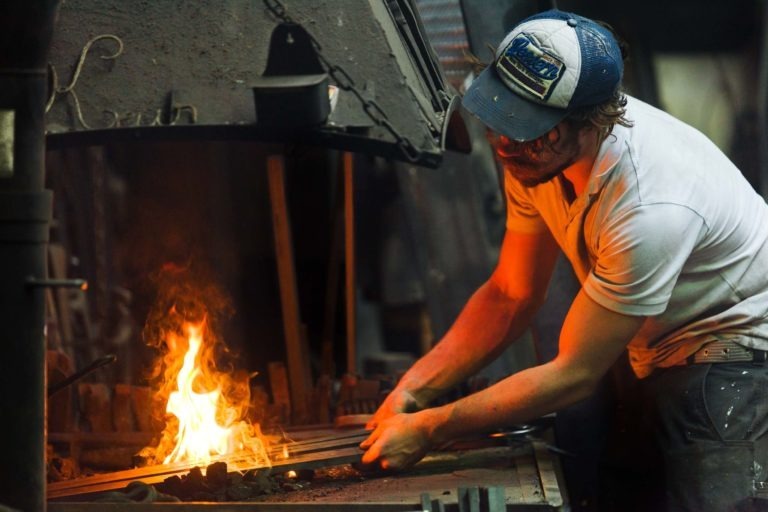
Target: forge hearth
(518, 475)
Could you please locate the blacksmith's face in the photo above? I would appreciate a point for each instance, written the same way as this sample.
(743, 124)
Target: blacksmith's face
(540, 160)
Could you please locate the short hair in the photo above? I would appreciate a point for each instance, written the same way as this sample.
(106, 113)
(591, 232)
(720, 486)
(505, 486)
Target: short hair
(603, 116)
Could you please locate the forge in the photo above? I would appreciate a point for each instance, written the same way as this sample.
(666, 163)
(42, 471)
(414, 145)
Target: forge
(185, 235)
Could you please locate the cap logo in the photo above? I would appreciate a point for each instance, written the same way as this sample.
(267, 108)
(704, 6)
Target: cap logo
(530, 67)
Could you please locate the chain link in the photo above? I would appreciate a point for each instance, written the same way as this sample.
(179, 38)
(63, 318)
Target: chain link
(346, 83)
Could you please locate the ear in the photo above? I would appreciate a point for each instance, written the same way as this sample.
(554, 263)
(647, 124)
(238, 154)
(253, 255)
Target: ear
(556, 133)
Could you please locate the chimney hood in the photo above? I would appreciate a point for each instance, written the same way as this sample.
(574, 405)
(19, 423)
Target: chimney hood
(194, 70)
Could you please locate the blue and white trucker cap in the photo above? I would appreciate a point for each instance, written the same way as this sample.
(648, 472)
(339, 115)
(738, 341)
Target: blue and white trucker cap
(548, 65)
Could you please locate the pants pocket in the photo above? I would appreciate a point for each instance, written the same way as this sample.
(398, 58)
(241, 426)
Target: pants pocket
(709, 476)
(733, 399)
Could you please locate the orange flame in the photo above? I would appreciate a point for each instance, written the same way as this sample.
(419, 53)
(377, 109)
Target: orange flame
(206, 408)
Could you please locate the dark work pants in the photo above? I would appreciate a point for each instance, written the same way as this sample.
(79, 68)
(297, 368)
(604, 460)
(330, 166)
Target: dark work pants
(711, 424)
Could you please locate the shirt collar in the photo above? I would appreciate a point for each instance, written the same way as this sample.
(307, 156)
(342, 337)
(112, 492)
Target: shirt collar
(611, 151)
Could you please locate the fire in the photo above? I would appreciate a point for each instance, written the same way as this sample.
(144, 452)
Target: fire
(199, 435)
(206, 408)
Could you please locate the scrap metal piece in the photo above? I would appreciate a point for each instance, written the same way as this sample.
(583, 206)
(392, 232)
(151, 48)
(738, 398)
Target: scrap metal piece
(493, 499)
(430, 505)
(469, 499)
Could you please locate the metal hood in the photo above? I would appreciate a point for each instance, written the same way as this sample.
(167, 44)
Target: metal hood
(138, 70)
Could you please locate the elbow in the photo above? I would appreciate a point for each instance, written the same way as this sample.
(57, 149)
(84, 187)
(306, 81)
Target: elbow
(585, 386)
(525, 299)
(581, 382)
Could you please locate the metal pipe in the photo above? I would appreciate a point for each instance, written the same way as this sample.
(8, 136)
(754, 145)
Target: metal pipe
(102, 361)
(33, 282)
(26, 29)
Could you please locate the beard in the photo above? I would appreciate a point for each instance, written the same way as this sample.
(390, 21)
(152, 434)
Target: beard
(531, 176)
(533, 170)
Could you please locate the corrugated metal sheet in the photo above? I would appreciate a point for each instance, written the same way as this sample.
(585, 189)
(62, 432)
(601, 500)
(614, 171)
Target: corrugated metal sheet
(444, 24)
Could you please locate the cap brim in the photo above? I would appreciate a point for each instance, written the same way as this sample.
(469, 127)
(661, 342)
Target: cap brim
(506, 112)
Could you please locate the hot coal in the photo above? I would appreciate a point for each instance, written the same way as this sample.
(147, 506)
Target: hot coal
(219, 485)
(216, 475)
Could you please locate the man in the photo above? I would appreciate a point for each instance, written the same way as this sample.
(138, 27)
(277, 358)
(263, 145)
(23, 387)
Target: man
(668, 241)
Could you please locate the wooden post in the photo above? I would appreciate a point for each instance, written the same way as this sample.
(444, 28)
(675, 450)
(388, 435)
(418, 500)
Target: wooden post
(349, 252)
(295, 346)
(328, 364)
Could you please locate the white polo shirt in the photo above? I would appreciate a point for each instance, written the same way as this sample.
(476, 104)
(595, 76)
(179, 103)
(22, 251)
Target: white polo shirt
(668, 228)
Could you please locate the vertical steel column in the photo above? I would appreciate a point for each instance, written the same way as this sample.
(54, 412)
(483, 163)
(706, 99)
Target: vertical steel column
(25, 211)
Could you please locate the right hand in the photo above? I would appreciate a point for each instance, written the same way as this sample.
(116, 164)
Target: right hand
(399, 441)
(396, 402)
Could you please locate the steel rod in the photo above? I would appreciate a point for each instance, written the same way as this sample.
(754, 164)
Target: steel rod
(156, 474)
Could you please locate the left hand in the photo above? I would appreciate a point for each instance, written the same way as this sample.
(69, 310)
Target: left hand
(399, 441)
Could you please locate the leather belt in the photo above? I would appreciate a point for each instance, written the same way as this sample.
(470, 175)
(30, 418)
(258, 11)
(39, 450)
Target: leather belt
(727, 352)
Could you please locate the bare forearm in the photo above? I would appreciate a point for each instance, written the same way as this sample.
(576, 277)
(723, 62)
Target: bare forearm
(521, 397)
(591, 340)
(477, 337)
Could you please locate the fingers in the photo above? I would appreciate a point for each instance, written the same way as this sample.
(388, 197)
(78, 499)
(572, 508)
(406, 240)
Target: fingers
(391, 446)
(372, 454)
(373, 422)
(381, 414)
(374, 445)
(396, 402)
(370, 439)
(375, 457)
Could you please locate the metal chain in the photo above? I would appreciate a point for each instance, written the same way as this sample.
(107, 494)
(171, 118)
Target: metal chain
(346, 83)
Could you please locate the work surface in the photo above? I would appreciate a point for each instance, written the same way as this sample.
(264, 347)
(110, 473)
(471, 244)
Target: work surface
(527, 472)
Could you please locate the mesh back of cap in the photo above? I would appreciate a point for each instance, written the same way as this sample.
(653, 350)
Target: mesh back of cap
(601, 66)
